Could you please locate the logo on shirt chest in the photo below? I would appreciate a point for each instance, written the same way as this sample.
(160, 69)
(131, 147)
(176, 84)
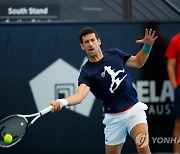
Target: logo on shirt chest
(115, 81)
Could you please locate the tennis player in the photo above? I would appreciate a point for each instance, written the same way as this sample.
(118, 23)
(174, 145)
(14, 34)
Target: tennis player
(105, 76)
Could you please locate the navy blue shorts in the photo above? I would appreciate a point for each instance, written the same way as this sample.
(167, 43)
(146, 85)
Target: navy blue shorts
(176, 108)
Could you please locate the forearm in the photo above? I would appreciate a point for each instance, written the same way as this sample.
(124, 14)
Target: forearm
(78, 97)
(141, 58)
(144, 54)
(74, 99)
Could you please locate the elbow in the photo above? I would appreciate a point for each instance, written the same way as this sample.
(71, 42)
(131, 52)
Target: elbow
(139, 65)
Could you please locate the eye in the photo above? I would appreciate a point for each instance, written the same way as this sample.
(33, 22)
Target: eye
(93, 39)
(86, 41)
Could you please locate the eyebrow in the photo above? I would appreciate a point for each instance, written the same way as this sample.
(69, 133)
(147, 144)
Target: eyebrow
(92, 39)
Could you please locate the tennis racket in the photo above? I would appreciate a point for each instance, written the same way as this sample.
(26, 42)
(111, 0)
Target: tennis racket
(17, 125)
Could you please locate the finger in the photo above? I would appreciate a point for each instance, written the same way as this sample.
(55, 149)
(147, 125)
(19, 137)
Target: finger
(53, 102)
(52, 109)
(146, 32)
(139, 41)
(58, 106)
(153, 34)
(54, 106)
(155, 38)
(150, 32)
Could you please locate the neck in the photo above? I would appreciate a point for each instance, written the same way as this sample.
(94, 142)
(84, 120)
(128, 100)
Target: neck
(96, 58)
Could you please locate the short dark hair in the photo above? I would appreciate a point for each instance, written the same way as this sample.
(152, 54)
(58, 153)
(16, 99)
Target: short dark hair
(85, 31)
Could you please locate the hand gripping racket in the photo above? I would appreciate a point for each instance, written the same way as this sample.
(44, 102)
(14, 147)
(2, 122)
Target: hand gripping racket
(16, 125)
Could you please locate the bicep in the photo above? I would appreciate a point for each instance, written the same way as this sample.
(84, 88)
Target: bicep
(138, 60)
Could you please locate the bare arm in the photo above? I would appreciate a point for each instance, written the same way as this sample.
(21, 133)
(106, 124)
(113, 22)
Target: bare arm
(74, 99)
(141, 57)
(171, 64)
(139, 60)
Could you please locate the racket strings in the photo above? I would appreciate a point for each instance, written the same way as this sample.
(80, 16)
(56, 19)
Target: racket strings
(14, 125)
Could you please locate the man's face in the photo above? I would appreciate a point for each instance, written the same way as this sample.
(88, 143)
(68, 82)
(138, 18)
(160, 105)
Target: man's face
(91, 45)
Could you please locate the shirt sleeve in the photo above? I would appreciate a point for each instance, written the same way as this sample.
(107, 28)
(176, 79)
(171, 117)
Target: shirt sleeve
(83, 78)
(123, 55)
(171, 50)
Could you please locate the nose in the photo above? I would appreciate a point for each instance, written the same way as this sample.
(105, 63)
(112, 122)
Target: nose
(90, 43)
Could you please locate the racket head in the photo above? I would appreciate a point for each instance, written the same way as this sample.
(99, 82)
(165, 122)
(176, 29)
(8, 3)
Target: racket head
(14, 125)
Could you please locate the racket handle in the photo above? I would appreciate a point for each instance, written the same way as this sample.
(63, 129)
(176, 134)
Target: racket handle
(46, 110)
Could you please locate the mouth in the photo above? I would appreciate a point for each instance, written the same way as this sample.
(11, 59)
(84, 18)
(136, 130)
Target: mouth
(91, 50)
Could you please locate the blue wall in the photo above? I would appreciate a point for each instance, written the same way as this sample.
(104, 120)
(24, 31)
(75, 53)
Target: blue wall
(27, 50)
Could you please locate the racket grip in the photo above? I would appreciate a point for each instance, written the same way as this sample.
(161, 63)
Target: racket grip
(46, 110)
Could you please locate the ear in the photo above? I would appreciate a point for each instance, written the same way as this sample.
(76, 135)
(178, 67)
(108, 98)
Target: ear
(99, 41)
(82, 47)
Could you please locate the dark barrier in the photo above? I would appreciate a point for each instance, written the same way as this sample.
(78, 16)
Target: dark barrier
(39, 63)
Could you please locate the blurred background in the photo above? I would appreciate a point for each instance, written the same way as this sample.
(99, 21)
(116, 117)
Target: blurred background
(40, 59)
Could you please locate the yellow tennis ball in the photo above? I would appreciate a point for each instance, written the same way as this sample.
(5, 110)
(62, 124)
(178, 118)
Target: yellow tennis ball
(8, 138)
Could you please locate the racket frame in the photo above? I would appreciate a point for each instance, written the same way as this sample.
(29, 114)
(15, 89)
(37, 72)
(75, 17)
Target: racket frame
(35, 115)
